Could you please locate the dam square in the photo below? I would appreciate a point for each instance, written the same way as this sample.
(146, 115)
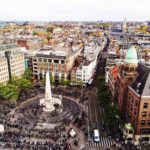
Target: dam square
(74, 75)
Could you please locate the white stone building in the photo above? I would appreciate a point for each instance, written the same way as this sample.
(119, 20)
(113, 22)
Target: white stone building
(58, 61)
(85, 71)
(11, 62)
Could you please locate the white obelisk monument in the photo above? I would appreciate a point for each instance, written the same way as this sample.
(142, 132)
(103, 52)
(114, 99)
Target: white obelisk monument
(49, 101)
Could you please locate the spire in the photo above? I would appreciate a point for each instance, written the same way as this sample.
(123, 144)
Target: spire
(48, 92)
(125, 23)
(124, 27)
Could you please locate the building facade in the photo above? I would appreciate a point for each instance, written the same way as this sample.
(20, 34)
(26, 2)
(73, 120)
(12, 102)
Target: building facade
(138, 104)
(59, 65)
(85, 71)
(112, 78)
(30, 44)
(127, 74)
(11, 62)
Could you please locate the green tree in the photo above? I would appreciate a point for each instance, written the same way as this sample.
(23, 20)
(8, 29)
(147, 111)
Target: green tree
(104, 97)
(28, 74)
(66, 82)
(35, 33)
(49, 29)
(52, 79)
(1, 90)
(12, 89)
(79, 83)
(24, 84)
(110, 115)
(100, 81)
(9, 91)
(49, 37)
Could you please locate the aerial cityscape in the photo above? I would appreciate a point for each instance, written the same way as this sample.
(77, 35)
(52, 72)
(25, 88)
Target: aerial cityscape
(75, 75)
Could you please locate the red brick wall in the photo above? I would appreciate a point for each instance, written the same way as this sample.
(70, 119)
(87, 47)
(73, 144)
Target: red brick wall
(133, 103)
(23, 43)
(141, 109)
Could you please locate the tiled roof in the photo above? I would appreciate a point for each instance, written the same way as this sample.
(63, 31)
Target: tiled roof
(114, 72)
(7, 46)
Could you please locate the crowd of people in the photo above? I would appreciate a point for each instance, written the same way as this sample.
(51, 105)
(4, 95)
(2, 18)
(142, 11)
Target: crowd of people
(20, 133)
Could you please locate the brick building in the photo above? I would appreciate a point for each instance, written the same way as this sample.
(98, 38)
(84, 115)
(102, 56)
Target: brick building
(138, 104)
(126, 75)
(112, 78)
(32, 44)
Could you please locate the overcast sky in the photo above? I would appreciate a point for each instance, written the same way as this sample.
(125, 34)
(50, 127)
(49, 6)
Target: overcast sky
(74, 10)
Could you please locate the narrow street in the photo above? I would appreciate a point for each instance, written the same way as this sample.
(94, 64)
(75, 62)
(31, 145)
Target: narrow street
(95, 110)
(95, 113)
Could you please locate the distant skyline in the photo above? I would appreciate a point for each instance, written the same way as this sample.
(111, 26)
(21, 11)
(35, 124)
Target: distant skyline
(74, 10)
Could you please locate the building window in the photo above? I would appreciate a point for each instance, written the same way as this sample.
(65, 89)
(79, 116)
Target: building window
(145, 105)
(145, 131)
(56, 65)
(130, 132)
(129, 97)
(136, 104)
(144, 113)
(40, 59)
(49, 60)
(126, 69)
(56, 61)
(131, 69)
(135, 113)
(45, 60)
(132, 99)
(142, 122)
(62, 61)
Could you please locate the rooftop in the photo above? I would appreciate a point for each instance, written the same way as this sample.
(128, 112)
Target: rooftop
(4, 47)
(141, 85)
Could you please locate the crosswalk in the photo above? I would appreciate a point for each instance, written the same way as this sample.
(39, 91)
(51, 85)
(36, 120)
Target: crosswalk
(104, 142)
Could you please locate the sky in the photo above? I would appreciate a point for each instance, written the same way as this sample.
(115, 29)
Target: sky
(74, 10)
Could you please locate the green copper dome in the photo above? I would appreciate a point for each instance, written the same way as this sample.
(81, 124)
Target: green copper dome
(129, 126)
(131, 56)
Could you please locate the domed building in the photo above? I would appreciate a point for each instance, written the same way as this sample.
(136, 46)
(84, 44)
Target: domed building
(127, 74)
(133, 98)
(130, 63)
(131, 56)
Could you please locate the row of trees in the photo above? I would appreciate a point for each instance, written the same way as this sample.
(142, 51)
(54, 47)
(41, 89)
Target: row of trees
(63, 81)
(110, 108)
(13, 88)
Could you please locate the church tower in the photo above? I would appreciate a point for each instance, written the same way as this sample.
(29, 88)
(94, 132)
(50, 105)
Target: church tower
(128, 69)
(124, 27)
(127, 74)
